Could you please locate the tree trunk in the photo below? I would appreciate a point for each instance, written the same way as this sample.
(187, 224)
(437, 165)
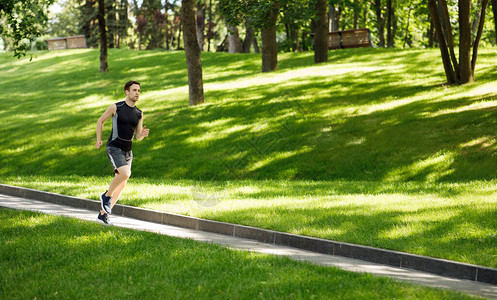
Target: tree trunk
(111, 22)
(123, 22)
(200, 27)
(303, 38)
(407, 37)
(269, 46)
(435, 16)
(321, 36)
(298, 46)
(287, 31)
(256, 46)
(178, 40)
(390, 14)
(478, 36)
(166, 8)
(357, 10)
(103, 36)
(234, 41)
(474, 26)
(365, 18)
(192, 52)
(447, 33)
(394, 25)
(249, 38)
(465, 41)
(209, 34)
(494, 10)
(380, 22)
(431, 34)
(338, 17)
(223, 47)
(332, 18)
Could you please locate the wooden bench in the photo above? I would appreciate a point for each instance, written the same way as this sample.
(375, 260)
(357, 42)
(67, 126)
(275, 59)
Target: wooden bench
(355, 38)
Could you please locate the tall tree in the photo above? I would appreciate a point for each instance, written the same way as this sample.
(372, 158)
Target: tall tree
(89, 22)
(321, 36)
(141, 24)
(477, 11)
(201, 7)
(263, 16)
(235, 44)
(167, 24)
(268, 35)
(192, 52)
(333, 18)
(390, 23)
(380, 22)
(494, 10)
(463, 71)
(407, 34)
(153, 24)
(123, 22)
(296, 16)
(111, 22)
(249, 39)
(103, 36)
(210, 26)
(466, 74)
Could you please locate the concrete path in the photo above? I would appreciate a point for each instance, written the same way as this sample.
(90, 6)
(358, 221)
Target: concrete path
(421, 278)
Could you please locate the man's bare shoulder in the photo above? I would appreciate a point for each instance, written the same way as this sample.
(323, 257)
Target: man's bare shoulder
(112, 108)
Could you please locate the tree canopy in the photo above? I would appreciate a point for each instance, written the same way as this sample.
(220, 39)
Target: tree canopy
(23, 20)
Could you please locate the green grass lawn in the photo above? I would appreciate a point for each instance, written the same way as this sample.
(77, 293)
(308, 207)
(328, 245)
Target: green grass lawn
(49, 257)
(369, 148)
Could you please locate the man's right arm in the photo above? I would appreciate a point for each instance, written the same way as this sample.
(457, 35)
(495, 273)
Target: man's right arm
(111, 110)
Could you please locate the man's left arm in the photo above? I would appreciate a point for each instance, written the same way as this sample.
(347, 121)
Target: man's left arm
(141, 131)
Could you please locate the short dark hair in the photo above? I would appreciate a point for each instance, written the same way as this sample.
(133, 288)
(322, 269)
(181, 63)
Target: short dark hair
(130, 83)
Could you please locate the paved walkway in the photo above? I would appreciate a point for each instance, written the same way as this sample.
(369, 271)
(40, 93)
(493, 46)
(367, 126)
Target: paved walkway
(421, 278)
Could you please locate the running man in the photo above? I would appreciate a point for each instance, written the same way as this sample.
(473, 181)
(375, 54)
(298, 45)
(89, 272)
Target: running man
(127, 120)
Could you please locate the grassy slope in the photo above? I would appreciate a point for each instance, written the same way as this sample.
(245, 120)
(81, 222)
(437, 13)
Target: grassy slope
(366, 115)
(48, 257)
(401, 162)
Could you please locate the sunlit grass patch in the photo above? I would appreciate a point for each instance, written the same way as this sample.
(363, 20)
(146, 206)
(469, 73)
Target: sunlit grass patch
(451, 221)
(370, 147)
(46, 256)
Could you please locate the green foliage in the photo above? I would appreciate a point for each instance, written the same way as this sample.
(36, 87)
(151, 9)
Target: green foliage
(299, 12)
(256, 11)
(69, 21)
(24, 20)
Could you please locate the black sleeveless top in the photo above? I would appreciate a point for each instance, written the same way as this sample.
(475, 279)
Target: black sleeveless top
(124, 123)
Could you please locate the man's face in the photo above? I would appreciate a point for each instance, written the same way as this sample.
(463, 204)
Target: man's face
(134, 92)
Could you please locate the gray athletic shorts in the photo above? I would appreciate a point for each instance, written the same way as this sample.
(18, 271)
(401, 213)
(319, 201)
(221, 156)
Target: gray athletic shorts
(119, 158)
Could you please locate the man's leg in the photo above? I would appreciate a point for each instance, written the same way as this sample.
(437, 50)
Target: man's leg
(118, 183)
(123, 174)
(117, 193)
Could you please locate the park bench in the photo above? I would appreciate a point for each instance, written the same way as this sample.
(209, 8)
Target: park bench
(354, 38)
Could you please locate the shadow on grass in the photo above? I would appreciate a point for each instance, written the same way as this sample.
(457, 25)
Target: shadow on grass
(445, 232)
(419, 219)
(314, 140)
(367, 125)
(41, 253)
(371, 124)
(382, 118)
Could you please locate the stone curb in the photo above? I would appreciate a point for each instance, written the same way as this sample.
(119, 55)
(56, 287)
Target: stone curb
(370, 254)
